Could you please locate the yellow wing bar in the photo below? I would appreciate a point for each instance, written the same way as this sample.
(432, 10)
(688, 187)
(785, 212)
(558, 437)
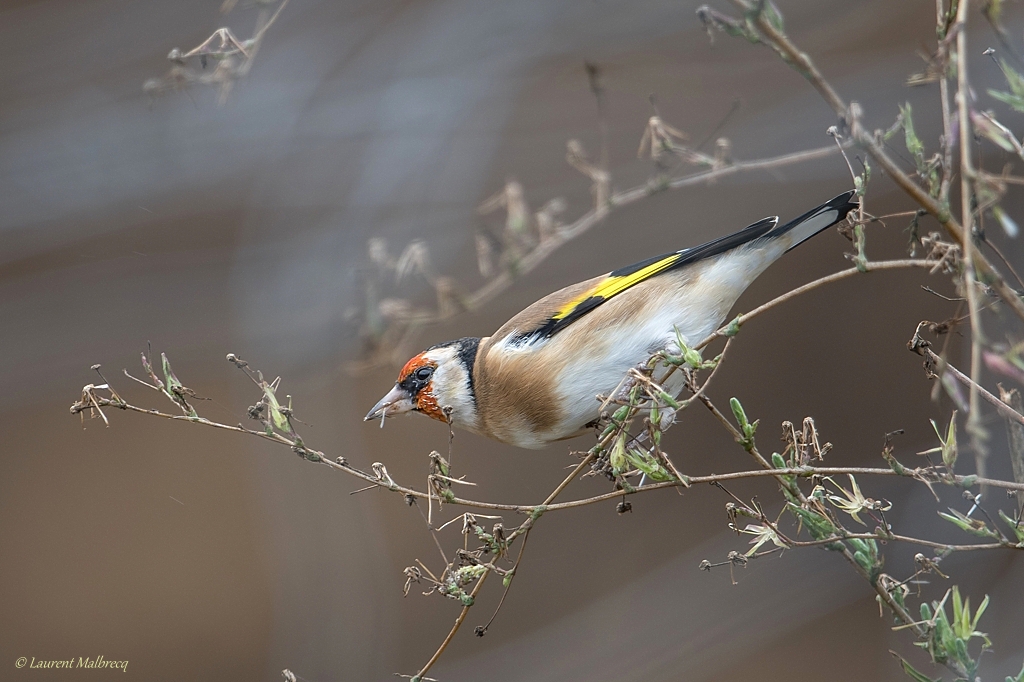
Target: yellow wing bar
(617, 282)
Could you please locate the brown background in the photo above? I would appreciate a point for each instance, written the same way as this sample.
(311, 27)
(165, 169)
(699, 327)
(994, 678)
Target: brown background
(202, 555)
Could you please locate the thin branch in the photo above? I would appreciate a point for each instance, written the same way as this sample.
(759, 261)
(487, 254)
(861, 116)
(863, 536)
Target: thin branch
(907, 539)
(482, 630)
(1001, 407)
(974, 426)
(947, 116)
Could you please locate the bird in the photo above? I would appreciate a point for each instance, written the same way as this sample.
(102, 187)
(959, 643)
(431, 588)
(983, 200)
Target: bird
(537, 379)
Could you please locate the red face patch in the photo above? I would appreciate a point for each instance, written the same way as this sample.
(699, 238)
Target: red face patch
(416, 379)
(414, 364)
(427, 404)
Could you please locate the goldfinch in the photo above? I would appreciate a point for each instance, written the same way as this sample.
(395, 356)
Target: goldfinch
(536, 379)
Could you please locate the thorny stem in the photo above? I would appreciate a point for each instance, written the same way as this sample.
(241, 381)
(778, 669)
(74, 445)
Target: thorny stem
(740, 166)
(799, 60)
(697, 395)
(523, 530)
(568, 479)
(549, 505)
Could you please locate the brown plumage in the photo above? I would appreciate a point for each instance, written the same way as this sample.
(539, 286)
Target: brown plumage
(536, 379)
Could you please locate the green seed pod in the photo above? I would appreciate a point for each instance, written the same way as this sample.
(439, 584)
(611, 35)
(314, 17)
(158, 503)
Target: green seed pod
(617, 458)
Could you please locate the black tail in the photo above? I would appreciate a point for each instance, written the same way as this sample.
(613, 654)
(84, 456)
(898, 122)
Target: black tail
(817, 219)
(804, 227)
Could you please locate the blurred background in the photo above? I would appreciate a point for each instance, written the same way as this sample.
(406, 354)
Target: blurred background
(206, 229)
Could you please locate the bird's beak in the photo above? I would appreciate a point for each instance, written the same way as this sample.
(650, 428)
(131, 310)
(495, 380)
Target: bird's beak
(396, 401)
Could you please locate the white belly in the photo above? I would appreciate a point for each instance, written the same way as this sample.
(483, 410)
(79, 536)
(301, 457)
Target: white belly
(695, 303)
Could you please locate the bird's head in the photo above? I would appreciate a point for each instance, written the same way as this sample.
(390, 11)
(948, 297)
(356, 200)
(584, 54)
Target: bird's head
(437, 378)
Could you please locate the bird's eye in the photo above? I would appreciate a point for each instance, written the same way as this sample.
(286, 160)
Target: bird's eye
(423, 373)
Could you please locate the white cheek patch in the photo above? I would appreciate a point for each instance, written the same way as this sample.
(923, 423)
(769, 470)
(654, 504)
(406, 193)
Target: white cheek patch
(450, 386)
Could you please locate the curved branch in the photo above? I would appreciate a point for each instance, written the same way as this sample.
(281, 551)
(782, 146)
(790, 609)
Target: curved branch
(868, 266)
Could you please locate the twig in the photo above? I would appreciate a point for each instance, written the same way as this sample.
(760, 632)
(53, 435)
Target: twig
(947, 116)
(974, 426)
(1001, 407)
(482, 630)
